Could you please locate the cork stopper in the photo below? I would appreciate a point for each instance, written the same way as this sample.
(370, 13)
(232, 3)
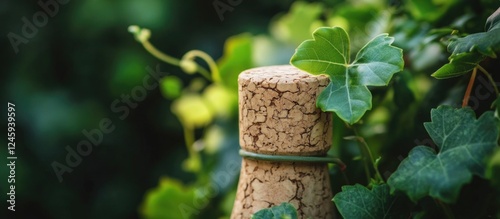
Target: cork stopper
(278, 113)
(278, 116)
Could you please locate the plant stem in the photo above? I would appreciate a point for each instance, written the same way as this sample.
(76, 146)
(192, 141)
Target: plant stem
(365, 163)
(465, 101)
(367, 154)
(346, 179)
(160, 55)
(488, 75)
(446, 209)
(189, 140)
(191, 54)
(215, 76)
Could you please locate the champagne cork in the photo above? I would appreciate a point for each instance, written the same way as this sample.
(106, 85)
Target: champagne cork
(278, 116)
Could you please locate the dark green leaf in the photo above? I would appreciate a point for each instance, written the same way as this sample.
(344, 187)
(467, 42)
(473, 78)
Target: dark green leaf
(459, 65)
(283, 211)
(358, 202)
(347, 94)
(486, 43)
(463, 144)
(493, 20)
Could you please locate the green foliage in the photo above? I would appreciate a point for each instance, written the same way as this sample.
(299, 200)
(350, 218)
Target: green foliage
(465, 57)
(429, 10)
(463, 143)
(459, 65)
(493, 170)
(359, 202)
(440, 181)
(237, 58)
(294, 27)
(347, 94)
(486, 43)
(282, 211)
(192, 110)
(168, 200)
(171, 87)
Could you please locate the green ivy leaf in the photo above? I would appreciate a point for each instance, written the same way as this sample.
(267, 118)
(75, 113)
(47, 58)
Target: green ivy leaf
(459, 65)
(486, 43)
(359, 202)
(463, 143)
(347, 94)
(283, 211)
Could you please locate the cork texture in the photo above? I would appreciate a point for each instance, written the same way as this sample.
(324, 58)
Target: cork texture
(278, 115)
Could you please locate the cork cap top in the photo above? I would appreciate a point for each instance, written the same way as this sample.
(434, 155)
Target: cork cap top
(278, 114)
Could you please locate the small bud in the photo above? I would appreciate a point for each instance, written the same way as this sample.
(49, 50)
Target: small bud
(188, 66)
(134, 29)
(143, 35)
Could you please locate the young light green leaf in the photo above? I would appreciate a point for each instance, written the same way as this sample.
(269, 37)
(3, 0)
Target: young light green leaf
(359, 202)
(294, 26)
(171, 199)
(486, 43)
(347, 94)
(171, 86)
(463, 143)
(459, 65)
(283, 211)
(237, 57)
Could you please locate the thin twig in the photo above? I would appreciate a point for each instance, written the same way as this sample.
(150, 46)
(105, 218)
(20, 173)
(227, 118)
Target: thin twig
(367, 155)
(465, 101)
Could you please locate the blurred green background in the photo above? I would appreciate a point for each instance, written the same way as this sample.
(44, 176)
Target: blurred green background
(65, 79)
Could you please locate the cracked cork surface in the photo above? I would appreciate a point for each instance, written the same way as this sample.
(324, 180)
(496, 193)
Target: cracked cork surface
(278, 115)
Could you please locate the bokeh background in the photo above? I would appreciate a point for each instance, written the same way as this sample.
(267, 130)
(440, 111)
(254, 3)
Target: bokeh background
(66, 77)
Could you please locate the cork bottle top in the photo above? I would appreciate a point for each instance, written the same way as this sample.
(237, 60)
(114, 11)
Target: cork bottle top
(278, 113)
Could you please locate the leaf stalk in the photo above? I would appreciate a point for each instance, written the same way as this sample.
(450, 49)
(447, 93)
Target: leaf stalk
(488, 75)
(367, 158)
(465, 101)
